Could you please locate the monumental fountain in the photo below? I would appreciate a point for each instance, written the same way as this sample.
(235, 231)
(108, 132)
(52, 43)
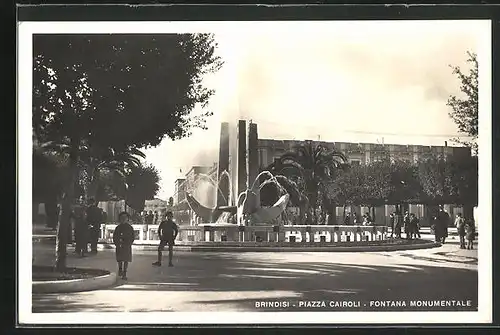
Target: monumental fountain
(246, 205)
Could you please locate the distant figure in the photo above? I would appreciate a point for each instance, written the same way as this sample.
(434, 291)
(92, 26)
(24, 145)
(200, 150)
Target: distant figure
(104, 217)
(460, 225)
(398, 222)
(366, 221)
(168, 232)
(123, 238)
(149, 218)
(392, 221)
(471, 234)
(81, 231)
(415, 223)
(156, 218)
(407, 225)
(347, 219)
(414, 226)
(94, 219)
(355, 219)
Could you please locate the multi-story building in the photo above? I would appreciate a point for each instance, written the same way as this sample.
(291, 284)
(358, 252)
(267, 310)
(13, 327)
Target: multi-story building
(360, 153)
(179, 190)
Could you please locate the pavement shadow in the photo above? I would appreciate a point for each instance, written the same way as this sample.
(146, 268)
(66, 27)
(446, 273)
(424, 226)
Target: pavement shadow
(288, 279)
(314, 281)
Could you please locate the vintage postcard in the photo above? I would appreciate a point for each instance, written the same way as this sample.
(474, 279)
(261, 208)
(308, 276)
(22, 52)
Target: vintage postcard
(254, 172)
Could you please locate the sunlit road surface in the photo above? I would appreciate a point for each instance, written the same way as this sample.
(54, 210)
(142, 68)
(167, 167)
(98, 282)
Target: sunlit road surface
(212, 281)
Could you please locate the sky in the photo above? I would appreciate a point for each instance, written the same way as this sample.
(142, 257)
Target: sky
(354, 82)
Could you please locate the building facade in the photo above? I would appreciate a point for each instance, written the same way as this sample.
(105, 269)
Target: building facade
(359, 153)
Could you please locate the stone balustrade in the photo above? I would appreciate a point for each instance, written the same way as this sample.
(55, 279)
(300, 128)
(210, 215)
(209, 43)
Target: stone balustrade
(233, 233)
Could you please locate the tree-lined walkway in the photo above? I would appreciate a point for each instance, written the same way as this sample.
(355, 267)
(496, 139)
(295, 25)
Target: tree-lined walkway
(235, 282)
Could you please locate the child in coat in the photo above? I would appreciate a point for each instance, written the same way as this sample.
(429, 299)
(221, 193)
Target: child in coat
(471, 234)
(123, 238)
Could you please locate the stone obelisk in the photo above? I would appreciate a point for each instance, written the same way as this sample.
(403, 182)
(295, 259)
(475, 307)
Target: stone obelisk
(241, 159)
(223, 182)
(252, 161)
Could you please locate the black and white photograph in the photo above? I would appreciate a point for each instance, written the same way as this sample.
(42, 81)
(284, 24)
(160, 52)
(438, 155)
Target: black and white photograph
(255, 172)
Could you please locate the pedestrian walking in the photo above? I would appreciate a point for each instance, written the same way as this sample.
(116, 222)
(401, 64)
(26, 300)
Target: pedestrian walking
(471, 234)
(460, 224)
(168, 232)
(123, 238)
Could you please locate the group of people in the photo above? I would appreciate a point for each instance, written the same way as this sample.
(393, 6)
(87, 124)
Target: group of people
(409, 223)
(353, 219)
(466, 231)
(87, 221)
(150, 218)
(123, 238)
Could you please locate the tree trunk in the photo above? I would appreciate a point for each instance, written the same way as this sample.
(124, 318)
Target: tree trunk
(63, 227)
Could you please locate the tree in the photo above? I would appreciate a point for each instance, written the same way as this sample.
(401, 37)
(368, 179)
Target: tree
(106, 90)
(312, 167)
(348, 187)
(464, 110)
(451, 181)
(49, 178)
(377, 184)
(405, 184)
(143, 183)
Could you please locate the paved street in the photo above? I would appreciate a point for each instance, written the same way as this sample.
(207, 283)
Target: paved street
(237, 281)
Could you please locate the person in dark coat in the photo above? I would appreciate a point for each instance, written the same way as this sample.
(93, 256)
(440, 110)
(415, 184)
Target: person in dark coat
(442, 221)
(168, 232)
(460, 224)
(123, 238)
(470, 234)
(94, 219)
(81, 231)
(415, 226)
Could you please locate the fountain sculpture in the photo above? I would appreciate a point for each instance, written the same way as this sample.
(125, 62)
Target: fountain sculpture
(247, 205)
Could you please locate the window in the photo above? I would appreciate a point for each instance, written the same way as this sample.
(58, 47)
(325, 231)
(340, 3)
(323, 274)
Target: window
(355, 162)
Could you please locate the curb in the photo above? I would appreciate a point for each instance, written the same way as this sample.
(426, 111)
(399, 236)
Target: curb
(74, 285)
(373, 248)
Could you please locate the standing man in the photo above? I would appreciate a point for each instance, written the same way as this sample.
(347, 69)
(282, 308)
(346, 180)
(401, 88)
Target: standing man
(168, 232)
(81, 231)
(94, 219)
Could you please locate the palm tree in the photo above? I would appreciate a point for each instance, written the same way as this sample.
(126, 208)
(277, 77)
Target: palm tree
(97, 162)
(312, 167)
